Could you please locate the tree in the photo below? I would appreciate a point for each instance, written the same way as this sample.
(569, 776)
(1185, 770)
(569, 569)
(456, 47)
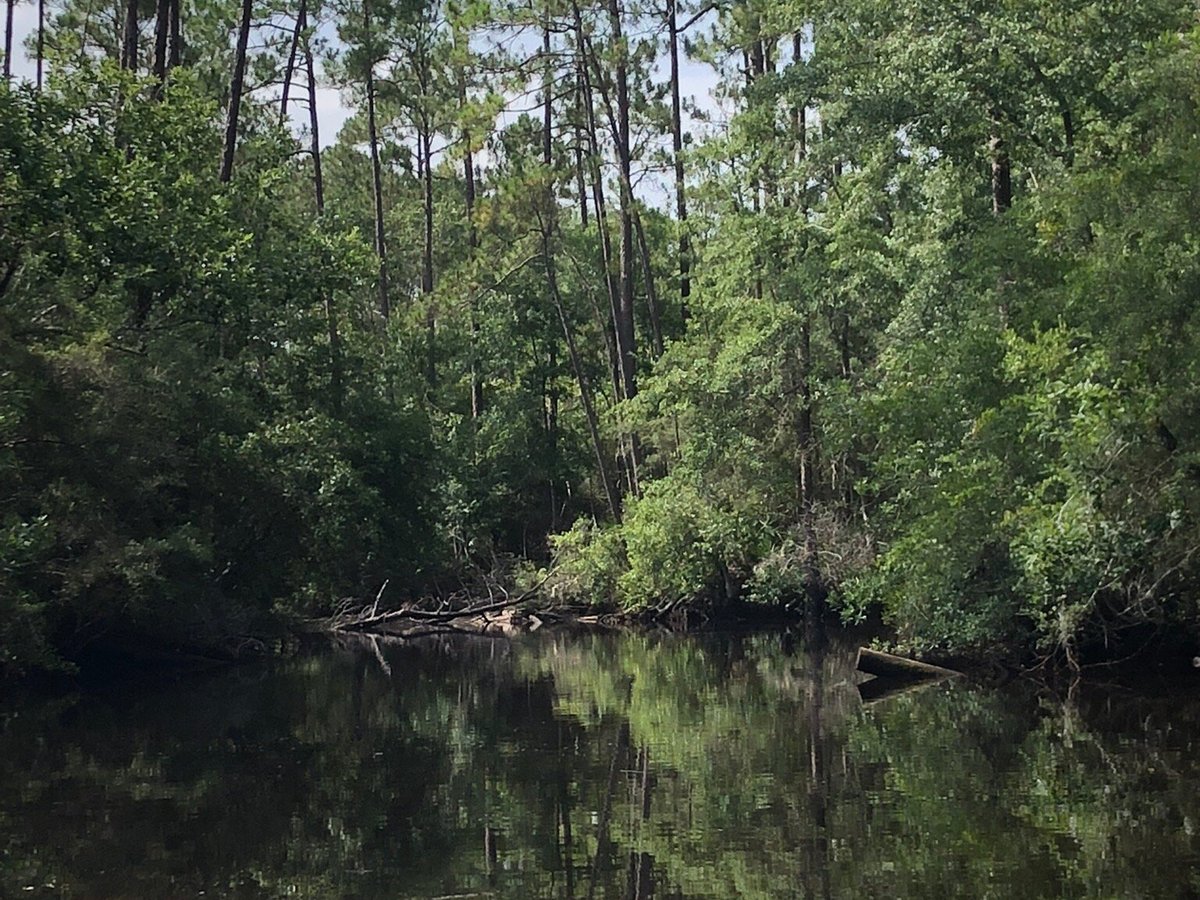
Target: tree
(236, 84)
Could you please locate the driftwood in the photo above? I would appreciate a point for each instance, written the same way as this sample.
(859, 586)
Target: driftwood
(480, 616)
(886, 665)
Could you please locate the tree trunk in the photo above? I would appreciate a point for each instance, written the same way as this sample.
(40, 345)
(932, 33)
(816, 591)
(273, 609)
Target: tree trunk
(313, 119)
(585, 391)
(549, 229)
(800, 124)
(385, 308)
(162, 27)
(758, 58)
(628, 455)
(331, 317)
(550, 389)
(427, 210)
(426, 153)
(806, 475)
(580, 181)
(597, 180)
(176, 40)
(751, 66)
(1068, 120)
(8, 38)
(129, 39)
(1001, 176)
(547, 107)
(472, 247)
(290, 69)
(235, 91)
(41, 42)
(685, 280)
(552, 212)
(627, 191)
(626, 337)
(656, 334)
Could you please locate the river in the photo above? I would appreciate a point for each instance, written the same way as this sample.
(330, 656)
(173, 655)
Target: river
(587, 766)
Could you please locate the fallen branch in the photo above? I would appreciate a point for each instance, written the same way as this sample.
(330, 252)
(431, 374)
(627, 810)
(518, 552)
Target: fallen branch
(369, 619)
(379, 596)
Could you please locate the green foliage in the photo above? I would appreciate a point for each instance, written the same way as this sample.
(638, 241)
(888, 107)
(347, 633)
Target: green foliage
(1035, 452)
(709, 546)
(174, 458)
(588, 561)
(939, 352)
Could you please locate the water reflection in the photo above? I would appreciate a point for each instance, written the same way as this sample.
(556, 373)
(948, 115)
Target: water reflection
(594, 766)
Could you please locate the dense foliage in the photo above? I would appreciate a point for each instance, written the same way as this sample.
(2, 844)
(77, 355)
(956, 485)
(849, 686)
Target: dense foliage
(917, 334)
(173, 461)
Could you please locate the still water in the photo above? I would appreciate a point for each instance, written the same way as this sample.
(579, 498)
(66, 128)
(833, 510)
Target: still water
(623, 766)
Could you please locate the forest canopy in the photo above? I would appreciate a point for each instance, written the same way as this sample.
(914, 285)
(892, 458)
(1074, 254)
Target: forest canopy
(903, 320)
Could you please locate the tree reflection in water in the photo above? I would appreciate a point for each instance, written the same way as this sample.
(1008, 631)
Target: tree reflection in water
(622, 766)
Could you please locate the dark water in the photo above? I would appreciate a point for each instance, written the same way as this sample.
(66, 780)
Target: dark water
(614, 766)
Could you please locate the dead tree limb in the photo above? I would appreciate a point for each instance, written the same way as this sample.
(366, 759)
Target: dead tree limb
(370, 618)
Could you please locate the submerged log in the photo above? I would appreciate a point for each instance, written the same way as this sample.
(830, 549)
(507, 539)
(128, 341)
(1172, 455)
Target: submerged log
(886, 665)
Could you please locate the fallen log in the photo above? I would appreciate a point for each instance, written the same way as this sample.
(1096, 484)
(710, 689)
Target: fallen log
(497, 613)
(420, 615)
(887, 665)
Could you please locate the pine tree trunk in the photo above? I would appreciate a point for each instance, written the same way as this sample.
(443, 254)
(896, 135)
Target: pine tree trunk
(290, 69)
(550, 389)
(41, 43)
(1001, 175)
(549, 226)
(685, 280)
(547, 106)
(313, 118)
(162, 27)
(8, 38)
(235, 91)
(385, 307)
(606, 253)
(175, 56)
(806, 474)
(626, 336)
(585, 391)
(331, 317)
(800, 117)
(472, 247)
(129, 39)
(548, 250)
(580, 180)
(426, 151)
(627, 191)
(656, 334)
